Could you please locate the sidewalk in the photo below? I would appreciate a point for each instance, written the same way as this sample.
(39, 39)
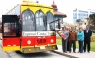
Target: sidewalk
(2, 54)
(75, 55)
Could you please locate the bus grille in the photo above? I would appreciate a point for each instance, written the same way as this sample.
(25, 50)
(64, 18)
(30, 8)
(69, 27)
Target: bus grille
(41, 41)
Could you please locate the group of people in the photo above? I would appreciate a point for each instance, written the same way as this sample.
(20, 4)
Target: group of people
(71, 36)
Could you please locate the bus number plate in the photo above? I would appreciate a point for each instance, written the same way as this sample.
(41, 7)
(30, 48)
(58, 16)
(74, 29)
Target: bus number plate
(42, 47)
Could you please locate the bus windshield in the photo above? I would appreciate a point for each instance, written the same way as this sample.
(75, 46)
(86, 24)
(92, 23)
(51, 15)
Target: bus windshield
(50, 21)
(37, 22)
(44, 22)
(39, 16)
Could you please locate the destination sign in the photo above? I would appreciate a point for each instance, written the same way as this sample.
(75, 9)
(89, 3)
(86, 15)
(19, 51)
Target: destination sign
(36, 33)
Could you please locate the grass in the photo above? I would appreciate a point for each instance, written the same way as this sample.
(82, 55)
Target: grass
(59, 42)
(93, 35)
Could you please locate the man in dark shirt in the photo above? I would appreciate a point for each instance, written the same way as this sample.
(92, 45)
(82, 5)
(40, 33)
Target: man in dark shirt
(87, 36)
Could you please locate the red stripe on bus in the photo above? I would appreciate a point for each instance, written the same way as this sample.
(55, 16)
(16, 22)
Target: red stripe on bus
(11, 41)
(35, 40)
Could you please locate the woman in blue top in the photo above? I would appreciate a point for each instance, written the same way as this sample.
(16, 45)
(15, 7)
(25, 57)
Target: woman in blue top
(80, 36)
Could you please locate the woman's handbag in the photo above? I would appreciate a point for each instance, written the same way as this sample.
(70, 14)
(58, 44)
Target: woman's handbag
(62, 35)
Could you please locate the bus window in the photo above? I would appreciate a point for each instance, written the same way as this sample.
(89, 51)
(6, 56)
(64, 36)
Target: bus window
(9, 29)
(28, 21)
(50, 21)
(40, 26)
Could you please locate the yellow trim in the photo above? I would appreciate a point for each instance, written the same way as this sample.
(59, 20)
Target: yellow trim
(52, 44)
(29, 2)
(34, 9)
(36, 4)
(11, 48)
(26, 46)
(37, 46)
(33, 50)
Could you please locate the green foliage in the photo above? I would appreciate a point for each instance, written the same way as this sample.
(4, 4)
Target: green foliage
(92, 16)
(92, 21)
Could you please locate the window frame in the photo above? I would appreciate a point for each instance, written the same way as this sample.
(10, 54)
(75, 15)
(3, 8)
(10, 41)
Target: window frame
(33, 19)
(52, 21)
(44, 17)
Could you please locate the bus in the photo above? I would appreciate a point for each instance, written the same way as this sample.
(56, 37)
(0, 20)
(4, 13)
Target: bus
(29, 28)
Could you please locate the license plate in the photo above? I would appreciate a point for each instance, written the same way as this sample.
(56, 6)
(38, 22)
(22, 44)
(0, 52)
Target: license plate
(42, 47)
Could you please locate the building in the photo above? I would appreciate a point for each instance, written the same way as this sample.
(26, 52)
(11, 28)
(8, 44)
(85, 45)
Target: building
(82, 24)
(58, 15)
(81, 14)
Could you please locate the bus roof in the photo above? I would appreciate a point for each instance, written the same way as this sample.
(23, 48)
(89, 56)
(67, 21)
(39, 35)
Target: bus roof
(37, 4)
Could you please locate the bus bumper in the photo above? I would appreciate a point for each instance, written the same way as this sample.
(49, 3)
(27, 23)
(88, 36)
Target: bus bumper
(39, 49)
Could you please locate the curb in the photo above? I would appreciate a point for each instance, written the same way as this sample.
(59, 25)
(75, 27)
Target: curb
(70, 56)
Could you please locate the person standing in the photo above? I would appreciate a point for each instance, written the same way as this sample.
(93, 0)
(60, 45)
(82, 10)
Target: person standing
(72, 39)
(68, 28)
(87, 36)
(80, 36)
(64, 41)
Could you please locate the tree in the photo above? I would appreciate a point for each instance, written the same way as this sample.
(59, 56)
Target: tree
(92, 21)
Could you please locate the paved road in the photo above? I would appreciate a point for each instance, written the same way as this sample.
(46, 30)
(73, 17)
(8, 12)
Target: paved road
(32, 55)
(36, 55)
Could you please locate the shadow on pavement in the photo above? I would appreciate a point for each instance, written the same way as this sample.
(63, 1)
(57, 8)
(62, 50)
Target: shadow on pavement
(40, 54)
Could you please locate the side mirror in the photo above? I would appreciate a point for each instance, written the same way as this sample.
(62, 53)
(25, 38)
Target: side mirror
(59, 27)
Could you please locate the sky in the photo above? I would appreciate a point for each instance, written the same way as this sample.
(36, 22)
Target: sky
(64, 6)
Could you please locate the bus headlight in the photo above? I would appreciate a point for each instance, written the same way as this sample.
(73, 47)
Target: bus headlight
(28, 42)
(52, 40)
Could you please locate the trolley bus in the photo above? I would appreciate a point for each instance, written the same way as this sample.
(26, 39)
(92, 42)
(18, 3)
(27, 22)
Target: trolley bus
(29, 28)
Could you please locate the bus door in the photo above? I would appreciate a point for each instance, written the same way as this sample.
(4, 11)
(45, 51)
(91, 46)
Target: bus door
(10, 35)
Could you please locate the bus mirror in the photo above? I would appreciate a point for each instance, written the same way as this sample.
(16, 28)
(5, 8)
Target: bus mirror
(59, 24)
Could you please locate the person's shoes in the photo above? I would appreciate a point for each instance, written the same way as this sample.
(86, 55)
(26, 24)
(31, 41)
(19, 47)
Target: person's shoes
(69, 51)
(88, 51)
(84, 51)
(81, 52)
(65, 52)
(78, 52)
(74, 52)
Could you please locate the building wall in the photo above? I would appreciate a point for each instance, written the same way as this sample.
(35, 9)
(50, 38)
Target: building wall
(74, 15)
(81, 14)
(83, 24)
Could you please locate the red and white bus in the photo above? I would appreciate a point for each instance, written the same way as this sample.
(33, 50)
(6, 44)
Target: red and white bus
(29, 28)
